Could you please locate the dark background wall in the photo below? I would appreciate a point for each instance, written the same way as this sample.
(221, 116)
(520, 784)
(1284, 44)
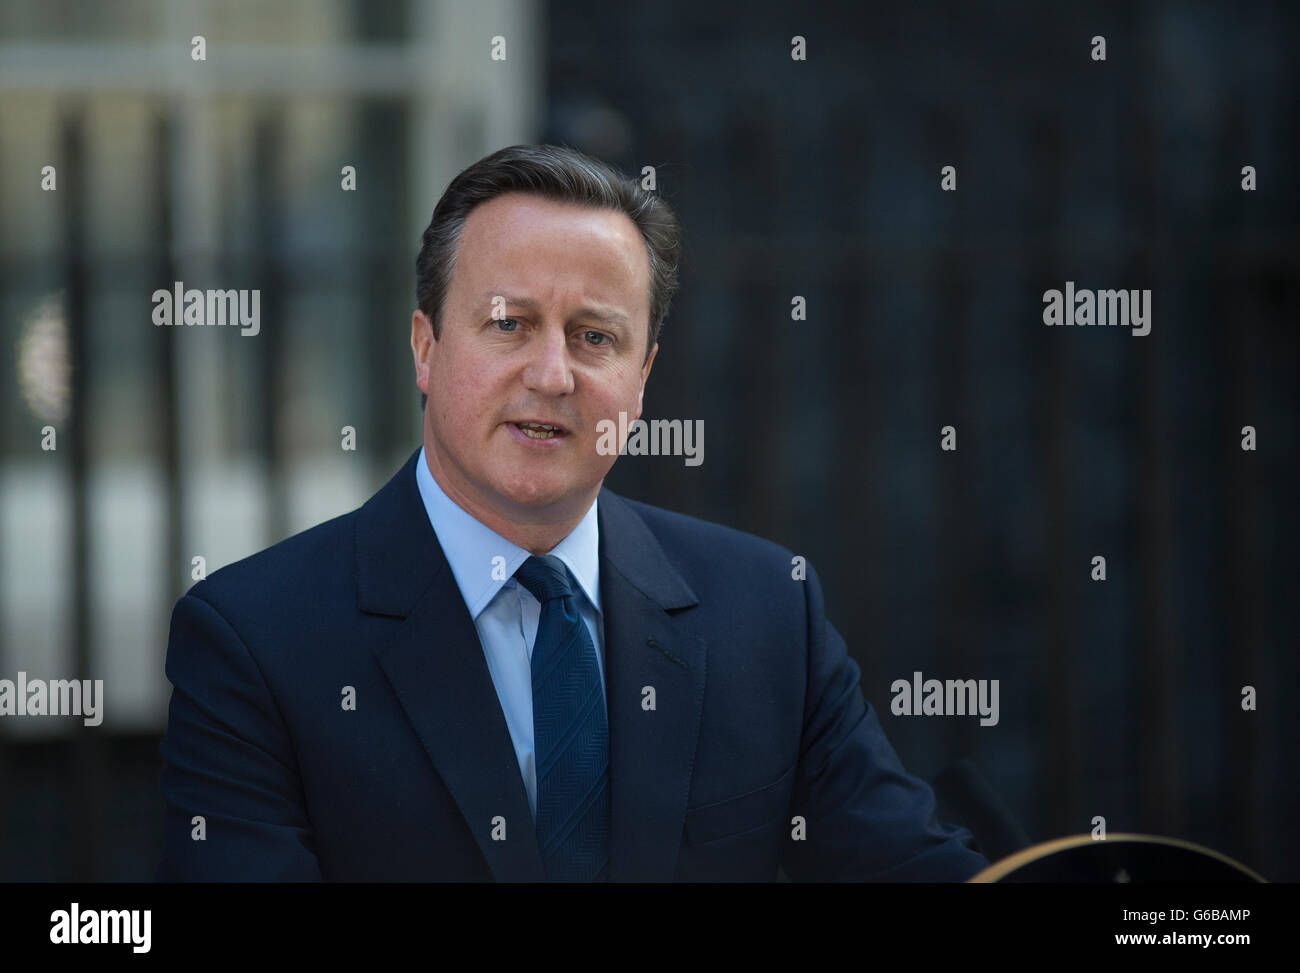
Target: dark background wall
(821, 179)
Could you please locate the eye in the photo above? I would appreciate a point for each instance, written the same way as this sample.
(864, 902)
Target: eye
(500, 322)
(600, 337)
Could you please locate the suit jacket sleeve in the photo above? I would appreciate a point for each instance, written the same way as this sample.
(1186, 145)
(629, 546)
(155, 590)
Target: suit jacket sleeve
(227, 757)
(867, 818)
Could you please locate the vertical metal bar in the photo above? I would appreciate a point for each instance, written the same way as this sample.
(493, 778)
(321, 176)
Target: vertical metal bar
(857, 380)
(1161, 658)
(388, 287)
(6, 747)
(951, 363)
(88, 754)
(175, 563)
(1243, 811)
(269, 256)
(1059, 758)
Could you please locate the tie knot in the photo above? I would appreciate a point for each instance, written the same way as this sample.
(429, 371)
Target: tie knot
(546, 577)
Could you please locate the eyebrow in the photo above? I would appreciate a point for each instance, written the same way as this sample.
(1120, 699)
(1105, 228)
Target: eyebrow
(600, 312)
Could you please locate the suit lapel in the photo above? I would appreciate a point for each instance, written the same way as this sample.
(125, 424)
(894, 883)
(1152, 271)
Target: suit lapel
(646, 645)
(436, 667)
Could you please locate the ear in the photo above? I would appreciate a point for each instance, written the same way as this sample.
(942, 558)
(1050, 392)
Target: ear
(422, 346)
(645, 375)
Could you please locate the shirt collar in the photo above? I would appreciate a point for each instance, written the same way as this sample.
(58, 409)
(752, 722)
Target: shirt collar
(470, 547)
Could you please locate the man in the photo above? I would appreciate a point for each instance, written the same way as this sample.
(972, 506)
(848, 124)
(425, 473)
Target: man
(496, 669)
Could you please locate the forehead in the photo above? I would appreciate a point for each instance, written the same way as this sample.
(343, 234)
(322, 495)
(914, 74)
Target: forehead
(523, 243)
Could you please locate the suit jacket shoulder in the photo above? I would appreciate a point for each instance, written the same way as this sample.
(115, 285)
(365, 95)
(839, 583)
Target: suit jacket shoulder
(333, 716)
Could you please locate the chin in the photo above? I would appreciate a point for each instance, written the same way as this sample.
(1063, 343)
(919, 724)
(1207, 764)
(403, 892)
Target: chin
(537, 492)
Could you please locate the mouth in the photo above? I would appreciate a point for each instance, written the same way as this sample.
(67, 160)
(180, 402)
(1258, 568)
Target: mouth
(540, 430)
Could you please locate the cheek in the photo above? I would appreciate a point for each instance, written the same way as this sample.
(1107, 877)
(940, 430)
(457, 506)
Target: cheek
(466, 386)
(619, 383)
(629, 388)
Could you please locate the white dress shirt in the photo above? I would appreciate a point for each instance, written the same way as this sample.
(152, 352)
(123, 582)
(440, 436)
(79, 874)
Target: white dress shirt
(504, 611)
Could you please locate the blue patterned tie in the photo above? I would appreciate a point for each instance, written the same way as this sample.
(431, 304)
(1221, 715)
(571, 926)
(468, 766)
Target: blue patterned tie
(570, 731)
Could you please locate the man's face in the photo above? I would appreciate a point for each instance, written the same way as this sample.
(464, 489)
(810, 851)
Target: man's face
(564, 344)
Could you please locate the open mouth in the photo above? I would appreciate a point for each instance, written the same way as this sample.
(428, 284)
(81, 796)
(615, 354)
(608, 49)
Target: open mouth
(540, 430)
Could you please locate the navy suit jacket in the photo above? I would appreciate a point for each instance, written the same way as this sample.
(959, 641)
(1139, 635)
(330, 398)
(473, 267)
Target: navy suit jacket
(757, 718)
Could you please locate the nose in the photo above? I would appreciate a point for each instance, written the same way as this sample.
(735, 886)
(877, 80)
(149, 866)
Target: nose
(548, 370)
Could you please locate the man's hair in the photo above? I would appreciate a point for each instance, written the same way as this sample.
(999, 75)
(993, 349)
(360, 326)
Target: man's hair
(557, 173)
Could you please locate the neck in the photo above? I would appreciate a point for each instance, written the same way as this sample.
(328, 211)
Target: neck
(536, 530)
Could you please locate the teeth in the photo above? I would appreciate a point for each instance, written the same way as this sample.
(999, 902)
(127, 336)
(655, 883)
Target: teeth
(536, 430)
